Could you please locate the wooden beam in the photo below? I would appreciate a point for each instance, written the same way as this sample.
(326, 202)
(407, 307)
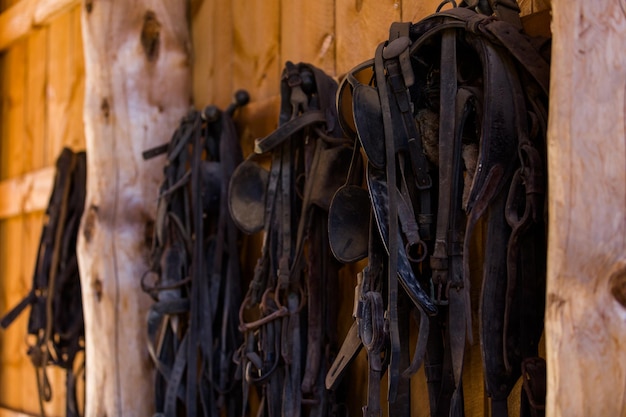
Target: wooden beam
(26, 193)
(137, 88)
(586, 277)
(21, 18)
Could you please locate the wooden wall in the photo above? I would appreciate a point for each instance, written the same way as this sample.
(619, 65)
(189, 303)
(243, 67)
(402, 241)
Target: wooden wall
(41, 100)
(236, 44)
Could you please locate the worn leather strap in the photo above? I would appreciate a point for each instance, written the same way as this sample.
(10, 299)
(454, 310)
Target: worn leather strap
(392, 240)
(287, 130)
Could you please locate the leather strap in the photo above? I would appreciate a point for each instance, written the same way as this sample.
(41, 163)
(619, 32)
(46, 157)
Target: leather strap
(392, 245)
(291, 272)
(286, 130)
(195, 260)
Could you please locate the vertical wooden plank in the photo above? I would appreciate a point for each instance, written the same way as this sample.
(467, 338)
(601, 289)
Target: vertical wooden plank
(29, 228)
(211, 34)
(257, 68)
(66, 85)
(13, 84)
(413, 11)
(256, 46)
(75, 137)
(35, 100)
(23, 130)
(586, 276)
(15, 378)
(11, 355)
(35, 156)
(14, 283)
(61, 85)
(308, 33)
(362, 25)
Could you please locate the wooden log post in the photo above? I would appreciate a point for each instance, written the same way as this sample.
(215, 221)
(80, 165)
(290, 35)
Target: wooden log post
(586, 290)
(138, 86)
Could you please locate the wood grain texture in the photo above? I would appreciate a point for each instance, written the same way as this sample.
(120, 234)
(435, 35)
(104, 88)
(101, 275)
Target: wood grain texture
(212, 37)
(17, 379)
(65, 87)
(135, 97)
(25, 15)
(35, 69)
(22, 198)
(362, 26)
(413, 11)
(16, 367)
(62, 87)
(26, 193)
(585, 320)
(256, 120)
(75, 137)
(308, 33)
(13, 88)
(256, 59)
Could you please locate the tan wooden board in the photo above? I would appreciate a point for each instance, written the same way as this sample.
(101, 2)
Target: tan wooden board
(13, 83)
(22, 16)
(17, 379)
(585, 301)
(75, 138)
(363, 25)
(211, 33)
(413, 11)
(308, 33)
(256, 47)
(27, 193)
(35, 69)
(257, 120)
(63, 86)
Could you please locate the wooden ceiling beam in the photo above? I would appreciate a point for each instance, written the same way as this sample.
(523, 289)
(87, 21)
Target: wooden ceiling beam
(21, 18)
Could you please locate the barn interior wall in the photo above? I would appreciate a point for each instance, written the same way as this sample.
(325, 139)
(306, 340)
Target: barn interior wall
(41, 100)
(236, 44)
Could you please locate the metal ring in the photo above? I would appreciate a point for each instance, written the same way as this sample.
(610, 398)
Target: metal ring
(415, 247)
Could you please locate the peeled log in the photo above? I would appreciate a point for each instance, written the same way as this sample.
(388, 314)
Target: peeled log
(138, 86)
(586, 290)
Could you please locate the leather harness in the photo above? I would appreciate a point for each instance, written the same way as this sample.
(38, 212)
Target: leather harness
(441, 133)
(195, 274)
(288, 316)
(55, 323)
(465, 72)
